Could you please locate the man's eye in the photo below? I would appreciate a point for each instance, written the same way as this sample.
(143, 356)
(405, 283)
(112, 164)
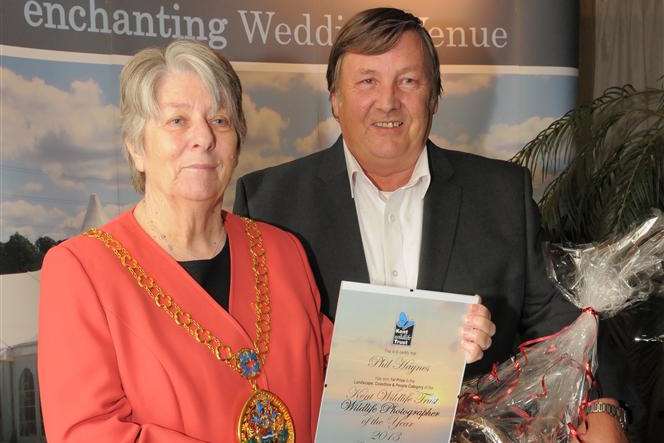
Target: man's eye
(367, 81)
(408, 81)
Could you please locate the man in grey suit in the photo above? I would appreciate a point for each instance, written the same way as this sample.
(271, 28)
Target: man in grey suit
(385, 205)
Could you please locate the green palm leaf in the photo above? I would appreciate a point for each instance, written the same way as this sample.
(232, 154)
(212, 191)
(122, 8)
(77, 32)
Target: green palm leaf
(609, 157)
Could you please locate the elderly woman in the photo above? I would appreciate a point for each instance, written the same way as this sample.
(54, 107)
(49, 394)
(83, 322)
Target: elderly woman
(177, 321)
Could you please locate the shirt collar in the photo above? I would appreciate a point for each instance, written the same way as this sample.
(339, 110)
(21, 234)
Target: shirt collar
(420, 179)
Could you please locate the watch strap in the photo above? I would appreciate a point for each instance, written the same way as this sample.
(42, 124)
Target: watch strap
(614, 411)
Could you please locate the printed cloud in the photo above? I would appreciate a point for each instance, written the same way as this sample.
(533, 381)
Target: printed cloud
(36, 219)
(460, 142)
(262, 148)
(265, 125)
(503, 140)
(60, 132)
(30, 219)
(282, 81)
(32, 187)
(465, 84)
(322, 136)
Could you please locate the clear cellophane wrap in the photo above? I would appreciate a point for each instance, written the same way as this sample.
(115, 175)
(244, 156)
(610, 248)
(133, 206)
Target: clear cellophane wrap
(539, 394)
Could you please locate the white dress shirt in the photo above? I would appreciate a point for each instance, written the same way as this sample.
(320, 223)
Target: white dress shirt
(390, 223)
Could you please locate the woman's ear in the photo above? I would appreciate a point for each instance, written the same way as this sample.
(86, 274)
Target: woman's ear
(137, 156)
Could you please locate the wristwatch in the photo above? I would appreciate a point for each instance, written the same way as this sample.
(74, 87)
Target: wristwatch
(614, 411)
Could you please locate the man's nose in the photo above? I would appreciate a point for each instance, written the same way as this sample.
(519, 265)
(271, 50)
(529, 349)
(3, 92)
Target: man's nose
(388, 98)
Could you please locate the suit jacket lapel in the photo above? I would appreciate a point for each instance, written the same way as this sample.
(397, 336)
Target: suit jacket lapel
(342, 231)
(441, 213)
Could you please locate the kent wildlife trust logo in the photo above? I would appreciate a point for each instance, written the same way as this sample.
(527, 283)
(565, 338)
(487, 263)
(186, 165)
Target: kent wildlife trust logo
(403, 330)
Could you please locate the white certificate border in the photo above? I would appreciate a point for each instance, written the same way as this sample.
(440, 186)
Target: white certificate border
(405, 292)
(365, 288)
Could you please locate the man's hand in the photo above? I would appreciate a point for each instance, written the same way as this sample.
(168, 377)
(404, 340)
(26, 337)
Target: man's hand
(602, 428)
(476, 332)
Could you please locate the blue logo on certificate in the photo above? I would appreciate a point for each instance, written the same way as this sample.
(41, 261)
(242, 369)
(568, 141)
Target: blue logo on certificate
(403, 330)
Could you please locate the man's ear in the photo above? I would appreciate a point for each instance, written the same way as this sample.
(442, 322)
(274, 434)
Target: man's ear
(137, 156)
(334, 102)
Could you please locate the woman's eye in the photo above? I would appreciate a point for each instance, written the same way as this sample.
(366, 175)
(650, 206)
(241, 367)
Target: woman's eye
(177, 121)
(221, 121)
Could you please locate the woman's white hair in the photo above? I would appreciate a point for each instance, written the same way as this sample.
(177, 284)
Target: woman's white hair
(138, 90)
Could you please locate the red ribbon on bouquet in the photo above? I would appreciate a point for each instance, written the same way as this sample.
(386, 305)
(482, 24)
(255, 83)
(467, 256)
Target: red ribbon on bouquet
(468, 398)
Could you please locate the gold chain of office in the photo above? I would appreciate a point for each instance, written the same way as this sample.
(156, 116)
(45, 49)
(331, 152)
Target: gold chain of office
(196, 330)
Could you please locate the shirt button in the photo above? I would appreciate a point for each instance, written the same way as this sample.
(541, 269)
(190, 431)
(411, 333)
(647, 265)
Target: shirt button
(392, 218)
(395, 273)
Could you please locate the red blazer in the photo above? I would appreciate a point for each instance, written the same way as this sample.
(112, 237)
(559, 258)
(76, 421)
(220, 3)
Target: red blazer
(114, 368)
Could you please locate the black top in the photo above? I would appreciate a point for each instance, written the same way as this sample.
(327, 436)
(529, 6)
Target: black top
(213, 274)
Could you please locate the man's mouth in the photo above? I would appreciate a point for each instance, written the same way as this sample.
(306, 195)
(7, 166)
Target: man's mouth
(388, 124)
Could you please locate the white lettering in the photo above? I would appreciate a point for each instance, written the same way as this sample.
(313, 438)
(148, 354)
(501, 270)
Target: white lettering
(437, 33)
(461, 32)
(140, 17)
(282, 29)
(503, 37)
(72, 18)
(162, 25)
(98, 12)
(176, 22)
(327, 28)
(484, 43)
(121, 17)
(217, 28)
(50, 7)
(256, 25)
(30, 9)
(263, 30)
(306, 28)
(190, 28)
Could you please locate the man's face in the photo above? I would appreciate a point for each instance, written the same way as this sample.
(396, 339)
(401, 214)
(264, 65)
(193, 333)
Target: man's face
(381, 102)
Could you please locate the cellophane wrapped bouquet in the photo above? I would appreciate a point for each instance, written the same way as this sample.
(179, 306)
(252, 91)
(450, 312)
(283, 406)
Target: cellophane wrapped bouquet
(539, 394)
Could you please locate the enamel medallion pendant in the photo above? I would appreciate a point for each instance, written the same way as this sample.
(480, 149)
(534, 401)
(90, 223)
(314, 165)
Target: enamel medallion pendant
(265, 419)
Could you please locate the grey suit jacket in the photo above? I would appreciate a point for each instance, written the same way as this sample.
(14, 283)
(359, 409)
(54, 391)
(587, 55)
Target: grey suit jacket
(480, 235)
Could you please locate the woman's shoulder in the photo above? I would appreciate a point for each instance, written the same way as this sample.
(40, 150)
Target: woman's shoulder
(83, 244)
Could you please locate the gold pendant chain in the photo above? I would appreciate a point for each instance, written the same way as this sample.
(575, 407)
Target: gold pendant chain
(166, 303)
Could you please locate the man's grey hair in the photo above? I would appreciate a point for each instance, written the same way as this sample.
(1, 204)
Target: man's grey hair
(140, 78)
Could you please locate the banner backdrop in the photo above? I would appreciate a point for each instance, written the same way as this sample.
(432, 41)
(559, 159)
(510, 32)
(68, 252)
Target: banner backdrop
(509, 69)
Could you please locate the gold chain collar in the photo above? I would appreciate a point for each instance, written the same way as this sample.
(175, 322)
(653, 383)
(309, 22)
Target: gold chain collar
(202, 335)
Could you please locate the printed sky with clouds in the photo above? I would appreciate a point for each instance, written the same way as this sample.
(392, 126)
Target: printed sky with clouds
(60, 132)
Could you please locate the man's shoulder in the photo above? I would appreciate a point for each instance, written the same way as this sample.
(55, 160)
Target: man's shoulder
(304, 167)
(470, 160)
(469, 166)
(280, 189)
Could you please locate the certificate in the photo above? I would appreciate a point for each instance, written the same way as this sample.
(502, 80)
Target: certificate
(395, 367)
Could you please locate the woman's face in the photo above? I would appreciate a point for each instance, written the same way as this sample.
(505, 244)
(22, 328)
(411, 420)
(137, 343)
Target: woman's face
(190, 149)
